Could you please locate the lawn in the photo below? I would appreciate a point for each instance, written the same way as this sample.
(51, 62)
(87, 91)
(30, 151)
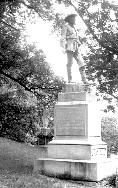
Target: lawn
(16, 169)
(10, 179)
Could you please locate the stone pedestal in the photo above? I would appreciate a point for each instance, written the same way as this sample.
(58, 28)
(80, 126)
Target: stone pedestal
(77, 150)
(77, 126)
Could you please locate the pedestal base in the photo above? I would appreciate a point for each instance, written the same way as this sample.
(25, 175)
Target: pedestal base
(77, 149)
(77, 169)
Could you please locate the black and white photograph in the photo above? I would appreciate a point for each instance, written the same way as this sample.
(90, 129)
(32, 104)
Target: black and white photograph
(59, 94)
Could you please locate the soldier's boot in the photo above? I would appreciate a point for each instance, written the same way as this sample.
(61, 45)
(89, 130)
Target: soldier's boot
(83, 77)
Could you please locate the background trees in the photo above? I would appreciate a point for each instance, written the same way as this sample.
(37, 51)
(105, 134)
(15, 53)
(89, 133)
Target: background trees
(28, 85)
(100, 17)
(24, 70)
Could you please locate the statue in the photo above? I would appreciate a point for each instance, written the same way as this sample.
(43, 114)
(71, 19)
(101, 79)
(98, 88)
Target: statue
(70, 42)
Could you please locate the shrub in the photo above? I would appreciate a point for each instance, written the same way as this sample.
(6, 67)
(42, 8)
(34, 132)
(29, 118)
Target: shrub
(110, 134)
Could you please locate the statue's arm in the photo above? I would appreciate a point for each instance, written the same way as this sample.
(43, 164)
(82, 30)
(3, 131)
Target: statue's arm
(63, 37)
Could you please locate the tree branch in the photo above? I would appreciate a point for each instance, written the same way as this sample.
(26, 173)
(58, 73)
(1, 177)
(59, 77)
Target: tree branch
(9, 25)
(41, 94)
(30, 7)
(102, 44)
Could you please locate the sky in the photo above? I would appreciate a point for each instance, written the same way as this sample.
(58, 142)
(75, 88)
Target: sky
(40, 34)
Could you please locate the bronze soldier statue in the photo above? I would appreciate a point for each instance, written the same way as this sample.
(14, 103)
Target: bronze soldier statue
(71, 43)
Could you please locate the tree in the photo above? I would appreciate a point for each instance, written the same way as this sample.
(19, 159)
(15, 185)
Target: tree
(28, 84)
(110, 134)
(100, 39)
(33, 86)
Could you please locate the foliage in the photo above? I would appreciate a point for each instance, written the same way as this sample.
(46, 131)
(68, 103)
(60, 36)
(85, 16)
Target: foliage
(18, 68)
(28, 85)
(36, 89)
(16, 119)
(100, 17)
(110, 134)
(112, 180)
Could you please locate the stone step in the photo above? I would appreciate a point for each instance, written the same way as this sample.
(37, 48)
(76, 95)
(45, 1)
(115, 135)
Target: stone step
(91, 170)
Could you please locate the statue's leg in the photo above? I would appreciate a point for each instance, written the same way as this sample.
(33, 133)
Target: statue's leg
(83, 75)
(81, 65)
(69, 65)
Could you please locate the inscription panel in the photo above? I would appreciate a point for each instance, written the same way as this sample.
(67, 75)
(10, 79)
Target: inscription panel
(99, 153)
(71, 121)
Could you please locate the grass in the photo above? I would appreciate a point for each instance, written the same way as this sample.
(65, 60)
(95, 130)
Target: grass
(16, 167)
(10, 179)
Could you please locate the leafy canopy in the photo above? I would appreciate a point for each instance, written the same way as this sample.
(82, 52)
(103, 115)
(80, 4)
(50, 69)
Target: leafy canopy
(28, 85)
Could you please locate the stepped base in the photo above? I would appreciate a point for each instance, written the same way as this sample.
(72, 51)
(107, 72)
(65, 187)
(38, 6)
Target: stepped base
(77, 149)
(90, 170)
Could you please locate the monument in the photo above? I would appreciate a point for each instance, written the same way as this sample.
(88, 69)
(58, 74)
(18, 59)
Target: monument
(77, 151)
(77, 126)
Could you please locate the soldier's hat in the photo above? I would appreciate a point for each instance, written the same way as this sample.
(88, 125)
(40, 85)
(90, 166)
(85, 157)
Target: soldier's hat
(67, 18)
